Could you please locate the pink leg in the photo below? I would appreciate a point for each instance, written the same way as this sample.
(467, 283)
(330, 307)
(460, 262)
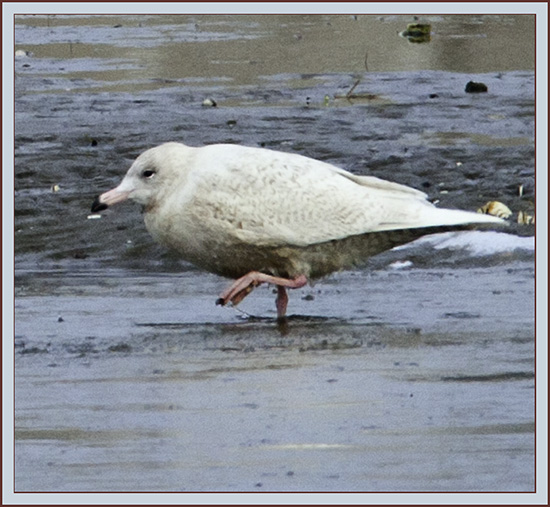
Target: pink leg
(281, 302)
(244, 285)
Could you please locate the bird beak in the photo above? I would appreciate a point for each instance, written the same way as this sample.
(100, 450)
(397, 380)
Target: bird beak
(114, 196)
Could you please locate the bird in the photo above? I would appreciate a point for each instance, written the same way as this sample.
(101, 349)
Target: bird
(258, 215)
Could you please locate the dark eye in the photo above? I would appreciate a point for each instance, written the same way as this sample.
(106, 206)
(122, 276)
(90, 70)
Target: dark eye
(148, 173)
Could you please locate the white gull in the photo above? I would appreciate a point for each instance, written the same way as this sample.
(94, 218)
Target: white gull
(258, 215)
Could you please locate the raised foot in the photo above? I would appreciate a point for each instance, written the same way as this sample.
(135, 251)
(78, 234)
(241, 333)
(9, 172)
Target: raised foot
(244, 286)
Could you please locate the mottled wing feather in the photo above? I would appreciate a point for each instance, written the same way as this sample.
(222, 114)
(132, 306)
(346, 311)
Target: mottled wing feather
(287, 199)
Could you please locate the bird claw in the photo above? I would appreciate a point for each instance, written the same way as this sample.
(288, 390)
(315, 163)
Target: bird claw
(236, 296)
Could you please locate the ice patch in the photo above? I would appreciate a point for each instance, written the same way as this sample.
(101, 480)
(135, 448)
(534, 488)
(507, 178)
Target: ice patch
(478, 243)
(400, 265)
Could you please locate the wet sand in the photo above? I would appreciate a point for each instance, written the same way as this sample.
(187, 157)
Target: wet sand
(129, 378)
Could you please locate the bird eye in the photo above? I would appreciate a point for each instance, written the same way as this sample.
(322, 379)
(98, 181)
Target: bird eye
(148, 174)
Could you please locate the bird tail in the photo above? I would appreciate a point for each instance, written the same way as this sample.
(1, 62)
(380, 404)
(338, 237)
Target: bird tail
(459, 217)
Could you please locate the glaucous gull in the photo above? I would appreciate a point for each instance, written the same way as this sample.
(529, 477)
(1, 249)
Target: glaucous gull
(258, 215)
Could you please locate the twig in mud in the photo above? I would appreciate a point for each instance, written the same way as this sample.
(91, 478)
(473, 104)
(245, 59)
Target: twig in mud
(350, 95)
(350, 92)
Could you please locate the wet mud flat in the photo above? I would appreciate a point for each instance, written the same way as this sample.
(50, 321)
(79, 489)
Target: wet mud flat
(128, 387)
(413, 374)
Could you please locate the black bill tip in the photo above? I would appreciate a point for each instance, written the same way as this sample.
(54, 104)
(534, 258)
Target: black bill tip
(98, 206)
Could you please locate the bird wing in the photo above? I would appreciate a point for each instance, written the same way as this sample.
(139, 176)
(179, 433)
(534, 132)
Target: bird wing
(271, 198)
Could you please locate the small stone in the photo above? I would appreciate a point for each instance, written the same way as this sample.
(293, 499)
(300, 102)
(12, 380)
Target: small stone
(473, 87)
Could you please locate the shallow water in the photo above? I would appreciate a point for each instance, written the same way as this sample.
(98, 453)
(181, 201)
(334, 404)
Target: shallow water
(413, 374)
